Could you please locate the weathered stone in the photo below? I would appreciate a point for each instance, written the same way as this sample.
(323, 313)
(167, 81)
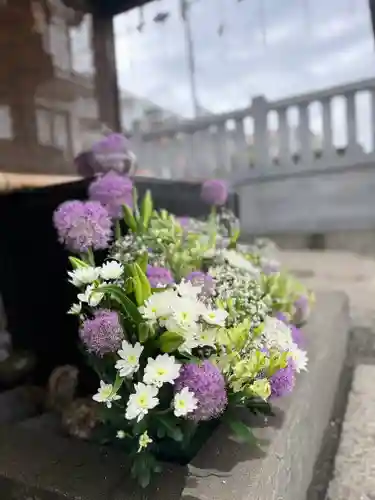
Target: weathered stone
(223, 469)
(20, 403)
(354, 477)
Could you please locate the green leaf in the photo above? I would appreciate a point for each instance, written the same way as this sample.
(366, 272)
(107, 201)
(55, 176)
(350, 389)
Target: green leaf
(146, 209)
(171, 427)
(144, 332)
(146, 287)
(142, 261)
(77, 263)
(170, 341)
(234, 239)
(128, 307)
(241, 431)
(129, 218)
(260, 407)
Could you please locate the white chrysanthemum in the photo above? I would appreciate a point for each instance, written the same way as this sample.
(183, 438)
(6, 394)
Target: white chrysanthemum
(75, 309)
(84, 276)
(184, 402)
(129, 362)
(139, 403)
(277, 334)
(111, 270)
(299, 358)
(159, 305)
(186, 311)
(235, 259)
(207, 337)
(187, 289)
(215, 316)
(106, 394)
(91, 296)
(191, 341)
(161, 370)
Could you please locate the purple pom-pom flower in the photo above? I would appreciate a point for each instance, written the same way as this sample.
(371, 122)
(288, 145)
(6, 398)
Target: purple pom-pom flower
(159, 276)
(113, 191)
(113, 153)
(204, 280)
(214, 192)
(103, 333)
(283, 381)
(82, 225)
(207, 383)
(301, 310)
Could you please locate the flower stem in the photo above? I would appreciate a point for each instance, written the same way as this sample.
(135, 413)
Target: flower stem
(118, 230)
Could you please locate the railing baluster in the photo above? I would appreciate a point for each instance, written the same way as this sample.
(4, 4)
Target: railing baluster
(351, 120)
(372, 121)
(283, 137)
(304, 135)
(328, 147)
(239, 153)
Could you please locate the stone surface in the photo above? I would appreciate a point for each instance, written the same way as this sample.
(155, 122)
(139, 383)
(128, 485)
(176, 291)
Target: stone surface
(19, 404)
(354, 477)
(35, 462)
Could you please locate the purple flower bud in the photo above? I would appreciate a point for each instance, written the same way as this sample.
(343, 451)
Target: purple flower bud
(113, 191)
(159, 276)
(207, 383)
(214, 192)
(283, 381)
(82, 225)
(301, 310)
(113, 153)
(204, 280)
(102, 334)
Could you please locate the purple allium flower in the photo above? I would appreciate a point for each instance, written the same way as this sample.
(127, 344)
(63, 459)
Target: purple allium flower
(183, 221)
(207, 383)
(297, 336)
(103, 333)
(214, 192)
(205, 280)
(159, 276)
(113, 191)
(82, 225)
(282, 382)
(302, 310)
(113, 153)
(282, 317)
(86, 164)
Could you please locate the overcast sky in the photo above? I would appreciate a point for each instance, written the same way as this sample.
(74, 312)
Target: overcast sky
(271, 47)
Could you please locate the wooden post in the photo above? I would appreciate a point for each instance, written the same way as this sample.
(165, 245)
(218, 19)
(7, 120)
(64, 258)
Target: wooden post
(106, 85)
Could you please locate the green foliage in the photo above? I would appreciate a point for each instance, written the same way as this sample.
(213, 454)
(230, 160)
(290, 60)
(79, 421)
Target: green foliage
(170, 341)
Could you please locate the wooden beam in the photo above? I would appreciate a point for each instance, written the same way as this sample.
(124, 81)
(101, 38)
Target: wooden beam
(106, 86)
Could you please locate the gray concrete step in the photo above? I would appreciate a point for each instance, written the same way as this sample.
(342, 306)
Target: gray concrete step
(354, 474)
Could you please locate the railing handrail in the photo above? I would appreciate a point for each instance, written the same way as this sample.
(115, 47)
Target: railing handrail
(190, 126)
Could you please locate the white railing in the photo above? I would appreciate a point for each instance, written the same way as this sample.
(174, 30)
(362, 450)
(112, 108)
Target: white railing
(319, 129)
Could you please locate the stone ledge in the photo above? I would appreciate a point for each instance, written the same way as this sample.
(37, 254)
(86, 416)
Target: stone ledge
(354, 477)
(50, 467)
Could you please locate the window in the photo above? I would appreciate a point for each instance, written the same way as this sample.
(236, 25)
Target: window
(6, 126)
(53, 129)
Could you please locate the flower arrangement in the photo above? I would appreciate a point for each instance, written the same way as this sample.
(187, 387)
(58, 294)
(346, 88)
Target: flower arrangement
(180, 323)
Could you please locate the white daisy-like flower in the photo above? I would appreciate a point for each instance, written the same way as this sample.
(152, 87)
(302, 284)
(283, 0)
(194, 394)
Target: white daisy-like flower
(106, 394)
(159, 305)
(161, 370)
(139, 403)
(191, 341)
(91, 296)
(187, 289)
(184, 402)
(207, 337)
(186, 311)
(299, 357)
(129, 362)
(83, 276)
(215, 316)
(144, 441)
(75, 309)
(277, 334)
(235, 259)
(111, 270)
